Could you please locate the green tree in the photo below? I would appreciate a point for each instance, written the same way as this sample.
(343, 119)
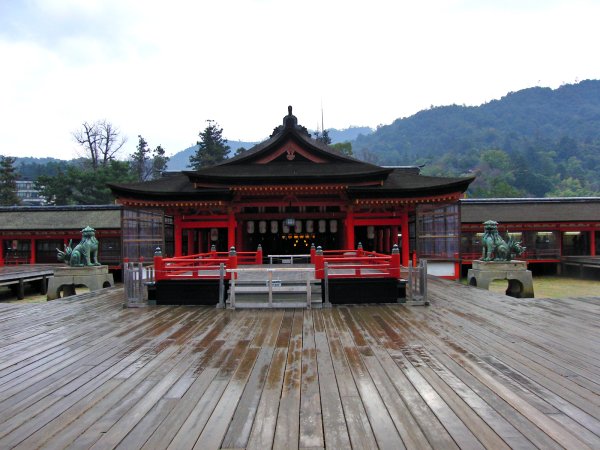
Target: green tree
(212, 147)
(323, 137)
(84, 185)
(571, 187)
(240, 151)
(140, 159)
(345, 148)
(8, 182)
(159, 162)
(148, 164)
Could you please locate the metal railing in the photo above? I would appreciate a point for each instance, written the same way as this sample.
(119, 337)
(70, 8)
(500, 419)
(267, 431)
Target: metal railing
(416, 283)
(267, 284)
(288, 259)
(136, 276)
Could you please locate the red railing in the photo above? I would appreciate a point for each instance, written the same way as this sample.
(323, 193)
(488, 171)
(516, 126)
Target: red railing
(356, 263)
(203, 265)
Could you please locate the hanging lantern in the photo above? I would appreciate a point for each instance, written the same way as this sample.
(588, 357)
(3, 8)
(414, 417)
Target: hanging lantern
(310, 224)
(250, 227)
(214, 234)
(298, 226)
(285, 227)
(333, 226)
(322, 226)
(262, 226)
(370, 232)
(274, 226)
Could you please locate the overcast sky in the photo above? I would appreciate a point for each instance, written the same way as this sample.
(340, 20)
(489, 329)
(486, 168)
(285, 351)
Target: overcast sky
(162, 68)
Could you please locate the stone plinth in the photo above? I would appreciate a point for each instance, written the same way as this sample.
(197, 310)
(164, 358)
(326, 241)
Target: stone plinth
(520, 281)
(66, 278)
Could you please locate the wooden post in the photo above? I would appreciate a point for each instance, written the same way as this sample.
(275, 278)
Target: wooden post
(313, 252)
(233, 261)
(177, 230)
(213, 251)
(32, 252)
(319, 263)
(259, 254)
(231, 229)
(159, 268)
(350, 228)
(359, 250)
(395, 262)
(592, 243)
(405, 239)
(1, 252)
(456, 267)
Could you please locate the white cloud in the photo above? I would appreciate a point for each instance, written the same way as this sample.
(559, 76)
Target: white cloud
(161, 69)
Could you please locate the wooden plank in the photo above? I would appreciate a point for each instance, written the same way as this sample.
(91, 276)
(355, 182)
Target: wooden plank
(263, 430)
(358, 425)
(311, 421)
(288, 417)
(238, 433)
(334, 423)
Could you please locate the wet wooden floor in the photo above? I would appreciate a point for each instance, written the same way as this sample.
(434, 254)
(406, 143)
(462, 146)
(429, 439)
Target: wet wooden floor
(473, 370)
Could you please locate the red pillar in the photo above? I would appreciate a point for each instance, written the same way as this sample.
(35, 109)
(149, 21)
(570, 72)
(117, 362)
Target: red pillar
(1, 252)
(231, 229)
(177, 230)
(159, 272)
(32, 252)
(405, 240)
(350, 228)
(592, 243)
(239, 239)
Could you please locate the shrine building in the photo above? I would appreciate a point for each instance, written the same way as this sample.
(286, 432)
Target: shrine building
(291, 191)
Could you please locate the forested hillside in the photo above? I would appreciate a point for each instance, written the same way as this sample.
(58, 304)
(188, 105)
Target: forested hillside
(534, 142)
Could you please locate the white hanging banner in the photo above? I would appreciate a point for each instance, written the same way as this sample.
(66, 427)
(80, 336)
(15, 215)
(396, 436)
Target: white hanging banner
(262, 226)
(322, 226)
(274, 226)
(333, 226)
(250, 227)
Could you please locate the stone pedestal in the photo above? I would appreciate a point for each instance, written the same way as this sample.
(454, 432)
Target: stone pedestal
(520, 281)
(66, 278)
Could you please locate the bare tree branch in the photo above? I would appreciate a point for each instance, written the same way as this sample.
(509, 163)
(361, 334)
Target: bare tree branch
(101, 141)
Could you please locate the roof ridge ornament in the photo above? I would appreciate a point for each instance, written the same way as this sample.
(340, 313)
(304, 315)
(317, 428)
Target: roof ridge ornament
(290, 121)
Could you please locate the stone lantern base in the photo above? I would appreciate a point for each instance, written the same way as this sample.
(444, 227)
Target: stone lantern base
(66, 278)
(520, 281)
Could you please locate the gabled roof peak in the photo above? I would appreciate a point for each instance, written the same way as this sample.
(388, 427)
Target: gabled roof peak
(290, 122)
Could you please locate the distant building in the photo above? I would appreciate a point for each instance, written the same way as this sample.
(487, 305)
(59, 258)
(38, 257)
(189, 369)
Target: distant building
(28, 194)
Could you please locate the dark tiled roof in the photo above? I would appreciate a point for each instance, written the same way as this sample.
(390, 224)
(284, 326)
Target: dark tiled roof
(249, 168)
(60, 217)
(291, 172)
(408, 183)
(531, 209)
(175, 187)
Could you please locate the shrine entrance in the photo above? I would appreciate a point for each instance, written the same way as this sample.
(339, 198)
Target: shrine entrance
(290, 236)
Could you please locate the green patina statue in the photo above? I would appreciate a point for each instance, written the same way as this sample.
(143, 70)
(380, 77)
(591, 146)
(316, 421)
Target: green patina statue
(495, 248)
(85, 253)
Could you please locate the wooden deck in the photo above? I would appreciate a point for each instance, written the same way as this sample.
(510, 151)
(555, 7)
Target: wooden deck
(473, 370)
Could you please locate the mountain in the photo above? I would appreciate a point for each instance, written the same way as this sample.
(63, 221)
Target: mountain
(533, 142)
(180, 160)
